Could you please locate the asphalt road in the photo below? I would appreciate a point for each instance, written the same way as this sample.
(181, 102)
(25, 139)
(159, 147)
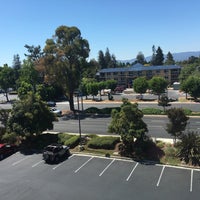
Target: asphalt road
(25, 177)
(96, 125)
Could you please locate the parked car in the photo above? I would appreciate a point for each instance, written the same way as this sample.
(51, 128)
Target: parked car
(51, 103)
(56, 111)
(7, 150)
(55, 152)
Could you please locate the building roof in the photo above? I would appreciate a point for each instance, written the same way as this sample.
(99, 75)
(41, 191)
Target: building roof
(139, 67)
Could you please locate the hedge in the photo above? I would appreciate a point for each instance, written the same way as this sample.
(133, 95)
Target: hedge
(72, 141)
(107, 142)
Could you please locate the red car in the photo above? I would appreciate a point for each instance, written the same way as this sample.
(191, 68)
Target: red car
(6, 150)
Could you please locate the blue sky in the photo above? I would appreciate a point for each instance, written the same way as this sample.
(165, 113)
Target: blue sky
(126, 27)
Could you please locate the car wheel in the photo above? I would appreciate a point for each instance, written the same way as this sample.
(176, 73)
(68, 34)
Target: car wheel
(1, 156)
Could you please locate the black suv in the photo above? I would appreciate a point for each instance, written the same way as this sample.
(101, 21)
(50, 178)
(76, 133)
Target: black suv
(55, 152)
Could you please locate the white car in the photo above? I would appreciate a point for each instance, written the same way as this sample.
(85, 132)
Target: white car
(56, 111)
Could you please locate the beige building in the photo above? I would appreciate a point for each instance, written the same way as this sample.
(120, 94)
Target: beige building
(125, 76)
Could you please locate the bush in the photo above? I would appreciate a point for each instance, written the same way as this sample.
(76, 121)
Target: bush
(94, 110)
(72, 141)
(107, 142)
(155, 111)
(187, 111)
(62, 137)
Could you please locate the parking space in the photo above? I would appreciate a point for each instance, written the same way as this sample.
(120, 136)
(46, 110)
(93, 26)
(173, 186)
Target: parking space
(91, 177)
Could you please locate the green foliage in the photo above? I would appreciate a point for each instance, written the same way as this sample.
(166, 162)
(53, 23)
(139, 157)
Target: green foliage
(189, 148)
(154, 111)
(72, 141)
(107, 142)
(192, 86)
(30, 116)
(64, 54)
(7, 79)
(10, 138)
(169, 59)
(140, 85)
(95, 110)
(62, 137)
(158, 85)
(128, 123)
(177, 122)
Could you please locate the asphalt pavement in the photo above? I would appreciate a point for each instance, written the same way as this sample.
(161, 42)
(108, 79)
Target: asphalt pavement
(88, 177)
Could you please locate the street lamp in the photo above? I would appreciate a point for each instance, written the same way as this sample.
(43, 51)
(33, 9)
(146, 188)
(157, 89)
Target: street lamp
(79, 122)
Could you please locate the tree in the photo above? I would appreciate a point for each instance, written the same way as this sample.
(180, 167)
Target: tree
(128, 124)
(28, 74)
(153, 58)
(158, 85)
(111, 84)
(177, 122)
(192, 86)
(140, 58)
(92, 88)
(35, 52)
(159, 57)
(169, 59)
(189, 148)
(7, 80)
(101, 60)
(16, 67)
(29, 117)
(63, 57)
(163, 101)
(140, 85)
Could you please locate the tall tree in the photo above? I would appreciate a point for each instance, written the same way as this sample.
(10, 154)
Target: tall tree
(63, 57)
(16, 66)
(140, 58)
(101, 60)
(169, 59)
(153, 58)
(34, 52)
(159, 57)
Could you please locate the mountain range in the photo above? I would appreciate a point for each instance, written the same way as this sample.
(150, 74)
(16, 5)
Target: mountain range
(177, 56)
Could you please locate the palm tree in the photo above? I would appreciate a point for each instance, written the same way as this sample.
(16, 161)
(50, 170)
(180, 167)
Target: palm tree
(189, 148)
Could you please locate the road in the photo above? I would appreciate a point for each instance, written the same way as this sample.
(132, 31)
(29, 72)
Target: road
(95, 125)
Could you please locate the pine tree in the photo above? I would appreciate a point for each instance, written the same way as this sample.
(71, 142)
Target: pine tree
(169, 59)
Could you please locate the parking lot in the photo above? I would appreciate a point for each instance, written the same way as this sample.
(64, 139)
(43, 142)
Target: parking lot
(25, 177)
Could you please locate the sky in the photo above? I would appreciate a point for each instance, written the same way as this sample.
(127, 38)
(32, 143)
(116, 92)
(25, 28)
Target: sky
(125, 27)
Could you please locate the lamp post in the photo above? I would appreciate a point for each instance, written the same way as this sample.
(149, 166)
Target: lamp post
(79, 123)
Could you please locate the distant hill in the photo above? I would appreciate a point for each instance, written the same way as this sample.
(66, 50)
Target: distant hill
(177, 56)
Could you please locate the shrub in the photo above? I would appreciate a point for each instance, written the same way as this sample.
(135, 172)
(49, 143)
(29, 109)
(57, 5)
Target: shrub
(155, 111)
(62, 137)
(187, 111)
(107, 142)
(72, 141)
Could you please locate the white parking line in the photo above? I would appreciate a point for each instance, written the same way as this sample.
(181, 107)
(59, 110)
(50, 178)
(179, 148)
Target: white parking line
(132, 172)
(160, 176)
(83, 165)
(107, 167)
(37, 163)
(17, 162)
(191, 180)
(62, 163)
